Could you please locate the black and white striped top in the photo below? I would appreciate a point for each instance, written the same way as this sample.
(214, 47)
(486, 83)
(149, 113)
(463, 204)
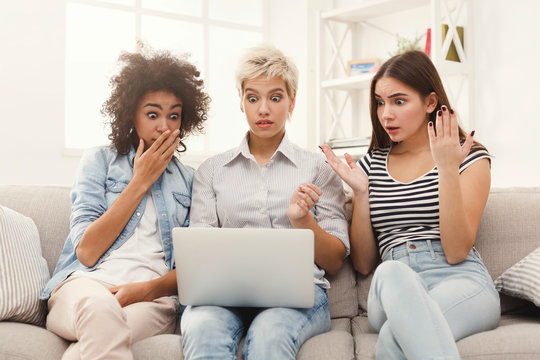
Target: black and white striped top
(402, 212)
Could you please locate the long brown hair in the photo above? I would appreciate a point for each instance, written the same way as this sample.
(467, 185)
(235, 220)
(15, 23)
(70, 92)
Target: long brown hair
(414, 69)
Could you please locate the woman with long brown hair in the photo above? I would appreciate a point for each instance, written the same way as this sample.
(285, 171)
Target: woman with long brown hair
(418, 196)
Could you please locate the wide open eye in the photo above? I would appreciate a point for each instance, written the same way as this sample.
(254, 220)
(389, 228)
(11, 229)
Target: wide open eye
(175, 116)
(251, 98)
(400, 101)
(152, 115)
(276, 98)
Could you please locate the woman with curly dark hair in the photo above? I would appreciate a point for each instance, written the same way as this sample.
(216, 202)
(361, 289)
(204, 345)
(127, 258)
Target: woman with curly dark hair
(114, 283)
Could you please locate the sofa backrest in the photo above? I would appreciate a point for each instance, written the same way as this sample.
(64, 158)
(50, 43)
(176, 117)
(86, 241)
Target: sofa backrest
(509, 230)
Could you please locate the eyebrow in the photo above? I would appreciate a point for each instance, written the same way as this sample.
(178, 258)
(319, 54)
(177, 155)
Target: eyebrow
(393, 95)
(273, 90)
(159, 106)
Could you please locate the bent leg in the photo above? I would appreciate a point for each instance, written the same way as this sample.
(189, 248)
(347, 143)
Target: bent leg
(278, 333)
(84, 310)
(468, 306)
(149, 318)
(399, 300)
(211, 332)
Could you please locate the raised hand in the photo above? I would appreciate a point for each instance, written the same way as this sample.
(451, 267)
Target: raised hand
(150, 164)
(302, 200)
(446, 149)
(349, 172)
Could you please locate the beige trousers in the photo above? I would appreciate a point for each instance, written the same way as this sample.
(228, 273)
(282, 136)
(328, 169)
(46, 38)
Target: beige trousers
(84, 311)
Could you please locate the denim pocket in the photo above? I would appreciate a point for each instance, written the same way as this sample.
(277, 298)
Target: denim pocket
(113, 188)
(183, 205)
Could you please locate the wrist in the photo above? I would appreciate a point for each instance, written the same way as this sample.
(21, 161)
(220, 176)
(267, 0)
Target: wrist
(302, 222)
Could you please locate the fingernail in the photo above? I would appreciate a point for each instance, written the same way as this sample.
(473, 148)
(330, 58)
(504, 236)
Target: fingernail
(326, 161)
(431, 124)
(472, 132)
(320, 147)
(439, 113)
(443, 108)
(451, 111)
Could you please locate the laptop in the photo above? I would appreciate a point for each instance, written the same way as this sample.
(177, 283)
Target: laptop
(244, 267)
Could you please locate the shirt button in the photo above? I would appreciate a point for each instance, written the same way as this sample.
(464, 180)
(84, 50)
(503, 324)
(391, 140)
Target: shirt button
(138, 213)
(262, 187)
(166, 243)
(163, 214)
(261, 210)
(412, 246)
(157, 194)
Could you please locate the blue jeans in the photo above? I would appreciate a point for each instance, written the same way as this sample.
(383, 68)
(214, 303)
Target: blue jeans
(421, 305)
(213, 332)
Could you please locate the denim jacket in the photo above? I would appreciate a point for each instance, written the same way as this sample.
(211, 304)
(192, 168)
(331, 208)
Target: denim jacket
(102, 175)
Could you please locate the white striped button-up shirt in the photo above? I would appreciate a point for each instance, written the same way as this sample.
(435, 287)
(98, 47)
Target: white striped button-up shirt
(230, 190)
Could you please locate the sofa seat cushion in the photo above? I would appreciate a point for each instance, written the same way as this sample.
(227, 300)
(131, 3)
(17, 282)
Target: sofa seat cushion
(515, 338)
(335, 345)
(25, 341)
(158, 347)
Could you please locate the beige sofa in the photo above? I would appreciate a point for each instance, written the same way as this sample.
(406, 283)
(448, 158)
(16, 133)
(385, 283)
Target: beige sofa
(510, 230)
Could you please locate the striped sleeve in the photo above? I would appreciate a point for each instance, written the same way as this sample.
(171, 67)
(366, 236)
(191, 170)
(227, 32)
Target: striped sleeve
(474, 155)
(365, 162)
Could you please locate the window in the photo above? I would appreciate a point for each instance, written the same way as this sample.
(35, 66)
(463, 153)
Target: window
(214, 32)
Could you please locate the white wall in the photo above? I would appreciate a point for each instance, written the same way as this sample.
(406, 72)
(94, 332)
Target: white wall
(32, 86)
(507, 70)
(32, 93)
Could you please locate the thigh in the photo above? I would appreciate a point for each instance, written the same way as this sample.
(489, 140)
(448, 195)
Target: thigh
(150, 318)
(65, 299)
(293, 324)
(468, 305)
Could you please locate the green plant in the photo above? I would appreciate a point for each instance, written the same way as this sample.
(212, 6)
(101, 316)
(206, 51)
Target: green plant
(405, 44)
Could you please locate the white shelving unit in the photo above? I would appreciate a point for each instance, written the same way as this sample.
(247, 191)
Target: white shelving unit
(343, 101)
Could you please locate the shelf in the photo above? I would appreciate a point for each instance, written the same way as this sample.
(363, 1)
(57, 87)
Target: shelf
(372, 9)
(355, 82)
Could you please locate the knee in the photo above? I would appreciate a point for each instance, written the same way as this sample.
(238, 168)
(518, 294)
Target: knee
(390, 269)
(94, 305)
(270, 332)
(207, 325)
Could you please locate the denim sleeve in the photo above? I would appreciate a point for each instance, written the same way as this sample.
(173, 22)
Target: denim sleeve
(88, 200)
(330, 209)
(203, 198)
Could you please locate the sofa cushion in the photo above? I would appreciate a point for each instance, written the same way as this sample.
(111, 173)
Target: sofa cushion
(507, 233)
(49, 207)
(165, 347)
(335, 345)
(23, 271)
(342, 293)
(522, 280)
(515, 338)
(25, 341)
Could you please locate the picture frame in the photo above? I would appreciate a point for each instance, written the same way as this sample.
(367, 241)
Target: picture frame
(358, 67)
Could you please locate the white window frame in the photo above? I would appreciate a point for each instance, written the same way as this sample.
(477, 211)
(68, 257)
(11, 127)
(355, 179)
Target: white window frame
(191, 157)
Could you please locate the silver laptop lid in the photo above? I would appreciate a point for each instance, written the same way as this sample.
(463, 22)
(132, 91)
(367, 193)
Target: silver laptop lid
(244, 267)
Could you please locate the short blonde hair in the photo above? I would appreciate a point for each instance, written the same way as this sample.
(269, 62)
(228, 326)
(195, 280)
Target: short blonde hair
(266, 60)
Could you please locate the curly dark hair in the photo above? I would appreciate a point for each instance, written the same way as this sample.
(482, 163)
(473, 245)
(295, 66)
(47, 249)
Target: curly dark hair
(147, 72)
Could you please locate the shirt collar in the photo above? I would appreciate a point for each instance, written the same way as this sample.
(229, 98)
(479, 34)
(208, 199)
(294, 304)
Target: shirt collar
(285, 148)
